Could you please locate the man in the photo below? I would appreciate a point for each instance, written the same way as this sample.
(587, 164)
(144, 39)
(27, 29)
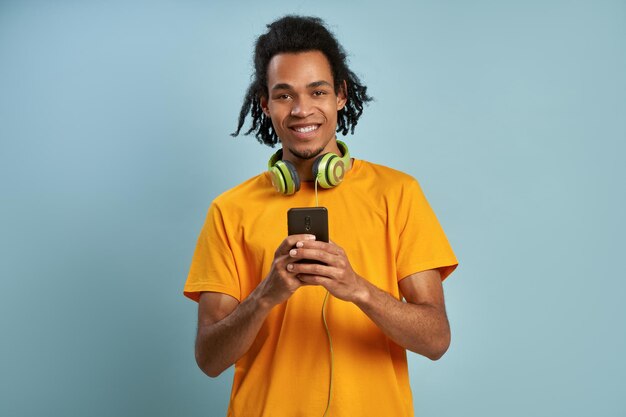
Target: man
(296, 350)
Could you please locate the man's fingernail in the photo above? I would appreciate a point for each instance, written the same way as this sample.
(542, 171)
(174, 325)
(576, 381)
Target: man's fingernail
(289, 267)
(299, 244)
(293, 252)
(310, 237)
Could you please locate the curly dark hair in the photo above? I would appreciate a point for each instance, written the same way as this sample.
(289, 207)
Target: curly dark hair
(291, 34)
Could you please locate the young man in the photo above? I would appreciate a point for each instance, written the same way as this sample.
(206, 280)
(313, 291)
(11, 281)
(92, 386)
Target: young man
(296, 350)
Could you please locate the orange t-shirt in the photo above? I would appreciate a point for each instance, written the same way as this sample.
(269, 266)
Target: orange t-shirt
(382, 220)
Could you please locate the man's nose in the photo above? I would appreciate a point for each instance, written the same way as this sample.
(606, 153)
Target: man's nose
(302, 107)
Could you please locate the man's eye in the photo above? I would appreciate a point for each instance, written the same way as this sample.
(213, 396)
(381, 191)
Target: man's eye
(319, 93)
(283, 97)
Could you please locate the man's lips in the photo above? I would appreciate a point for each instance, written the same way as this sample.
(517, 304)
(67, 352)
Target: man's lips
(305, 128)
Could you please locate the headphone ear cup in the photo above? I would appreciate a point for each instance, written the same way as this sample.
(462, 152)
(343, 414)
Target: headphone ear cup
(316, 165)
(293, 177)
(329, 170)
(284, 177)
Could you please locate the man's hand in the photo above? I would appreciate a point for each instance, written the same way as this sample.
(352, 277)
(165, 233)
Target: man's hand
(336, 273)
(281, 282)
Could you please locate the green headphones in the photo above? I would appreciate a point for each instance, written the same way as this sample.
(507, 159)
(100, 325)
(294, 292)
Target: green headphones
(328, 168)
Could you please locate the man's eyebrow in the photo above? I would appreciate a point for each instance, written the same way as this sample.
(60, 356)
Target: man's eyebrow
(314, 84)
(281, 86)
(320, 83)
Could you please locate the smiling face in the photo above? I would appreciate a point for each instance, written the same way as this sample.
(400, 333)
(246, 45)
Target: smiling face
(302, 104)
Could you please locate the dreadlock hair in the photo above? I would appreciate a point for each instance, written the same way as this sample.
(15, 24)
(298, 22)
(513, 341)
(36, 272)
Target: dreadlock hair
(292, 34)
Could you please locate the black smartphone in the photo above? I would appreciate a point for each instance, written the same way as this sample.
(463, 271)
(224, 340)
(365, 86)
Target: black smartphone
(308, 220)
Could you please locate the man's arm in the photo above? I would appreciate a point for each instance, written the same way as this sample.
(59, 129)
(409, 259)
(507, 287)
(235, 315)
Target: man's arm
(420, 324)
(227, 328)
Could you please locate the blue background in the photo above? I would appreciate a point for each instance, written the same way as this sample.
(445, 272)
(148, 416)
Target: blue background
(114, 127)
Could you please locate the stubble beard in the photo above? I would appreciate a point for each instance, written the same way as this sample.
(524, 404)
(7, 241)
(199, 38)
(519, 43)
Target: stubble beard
(306, 155)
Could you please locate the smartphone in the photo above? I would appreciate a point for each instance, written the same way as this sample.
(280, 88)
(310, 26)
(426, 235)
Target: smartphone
(308, 220)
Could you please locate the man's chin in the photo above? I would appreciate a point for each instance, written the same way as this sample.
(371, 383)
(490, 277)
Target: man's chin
(306, 153)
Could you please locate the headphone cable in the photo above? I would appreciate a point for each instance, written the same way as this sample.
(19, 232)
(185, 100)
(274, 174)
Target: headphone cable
(317, 178)
(330, 340)
(330, 343)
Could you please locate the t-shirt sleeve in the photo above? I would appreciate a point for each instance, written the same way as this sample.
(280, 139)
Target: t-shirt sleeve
(422, 243)
(213, 264)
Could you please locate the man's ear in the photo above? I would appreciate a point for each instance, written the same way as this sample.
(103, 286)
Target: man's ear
(263, 103)
(342, 95)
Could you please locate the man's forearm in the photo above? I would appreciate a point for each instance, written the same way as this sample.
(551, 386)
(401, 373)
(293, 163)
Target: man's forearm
(224, 338)
(420, 328)
(221, 344)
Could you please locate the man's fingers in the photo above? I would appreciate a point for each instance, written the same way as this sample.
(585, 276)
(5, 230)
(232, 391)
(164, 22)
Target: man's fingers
(290, 242)
(319, 270)
(321, 255)
(308, 279)
(331, 247)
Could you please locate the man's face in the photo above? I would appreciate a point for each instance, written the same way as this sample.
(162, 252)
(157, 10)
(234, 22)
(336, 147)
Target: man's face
(302, 103)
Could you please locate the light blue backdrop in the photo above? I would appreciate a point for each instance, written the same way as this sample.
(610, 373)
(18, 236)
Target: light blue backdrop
(114, 127)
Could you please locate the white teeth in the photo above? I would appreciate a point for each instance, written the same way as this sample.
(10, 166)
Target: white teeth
(305, 129)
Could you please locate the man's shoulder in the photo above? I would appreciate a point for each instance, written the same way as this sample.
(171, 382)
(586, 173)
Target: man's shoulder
(383, 183)
(383, 174)
(251, 190)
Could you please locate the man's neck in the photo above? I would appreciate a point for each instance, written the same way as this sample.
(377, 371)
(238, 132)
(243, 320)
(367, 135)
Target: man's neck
(305, 166)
